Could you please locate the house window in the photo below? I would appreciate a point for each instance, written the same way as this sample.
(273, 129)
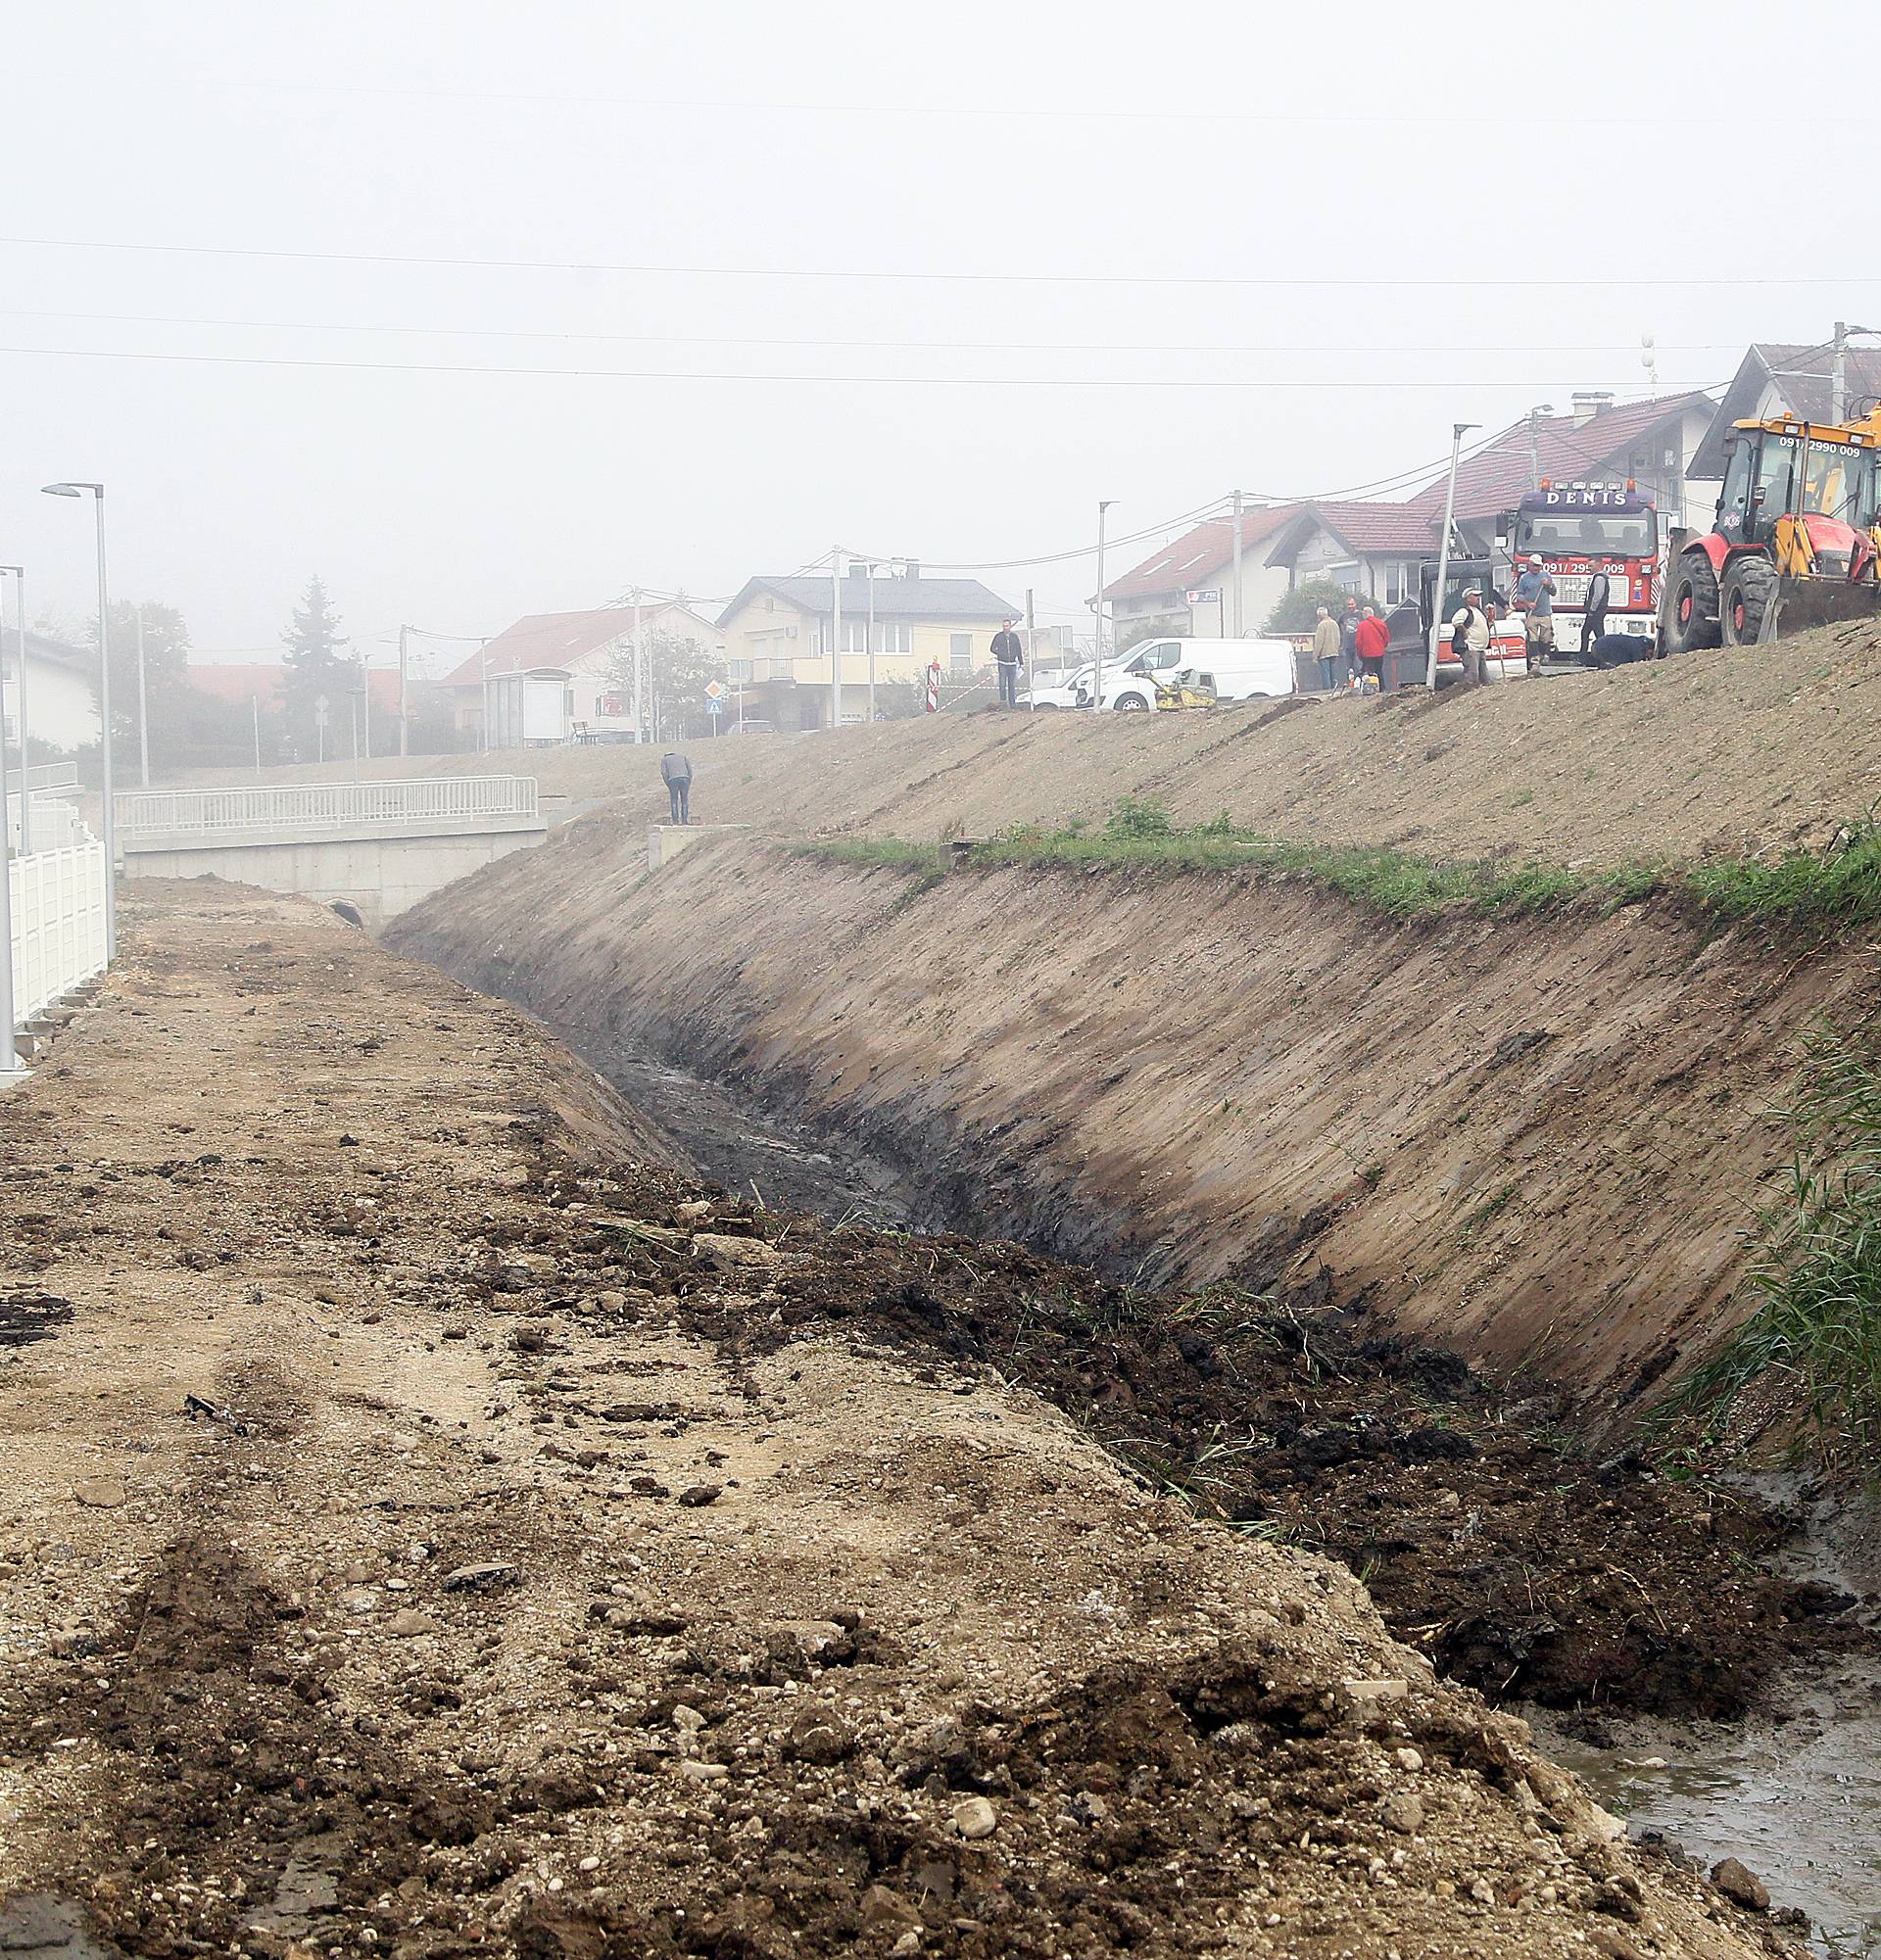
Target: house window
(960, 654)
(855, 636)
(1399, 579)
(894, 636)
(738, 670)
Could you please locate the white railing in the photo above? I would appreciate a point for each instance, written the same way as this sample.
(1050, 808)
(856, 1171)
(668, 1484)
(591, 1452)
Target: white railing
(53, 776)
(311, 808)
(58, 922)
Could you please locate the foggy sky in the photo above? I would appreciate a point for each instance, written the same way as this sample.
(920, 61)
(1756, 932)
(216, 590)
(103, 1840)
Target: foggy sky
(1590, 144)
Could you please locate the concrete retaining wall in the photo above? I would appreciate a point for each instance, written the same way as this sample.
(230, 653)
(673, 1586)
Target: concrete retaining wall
(380, 875)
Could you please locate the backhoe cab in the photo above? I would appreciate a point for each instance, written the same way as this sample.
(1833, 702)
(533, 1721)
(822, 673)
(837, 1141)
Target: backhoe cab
(1796, 537)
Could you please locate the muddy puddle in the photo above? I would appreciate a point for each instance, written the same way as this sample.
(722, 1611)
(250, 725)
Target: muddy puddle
(1798, 1800)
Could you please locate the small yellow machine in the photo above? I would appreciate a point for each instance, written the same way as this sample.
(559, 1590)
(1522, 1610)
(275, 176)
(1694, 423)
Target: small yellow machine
(1186, 687)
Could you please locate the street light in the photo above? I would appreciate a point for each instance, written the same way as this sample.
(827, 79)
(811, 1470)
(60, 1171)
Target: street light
(19, 702)
(97, 493)
(1457, 430)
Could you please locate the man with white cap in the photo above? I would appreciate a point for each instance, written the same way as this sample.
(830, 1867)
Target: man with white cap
(1470, 636)
(1535, 601)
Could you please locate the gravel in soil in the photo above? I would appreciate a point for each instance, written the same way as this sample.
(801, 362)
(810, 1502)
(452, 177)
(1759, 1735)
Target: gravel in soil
(438, 1532)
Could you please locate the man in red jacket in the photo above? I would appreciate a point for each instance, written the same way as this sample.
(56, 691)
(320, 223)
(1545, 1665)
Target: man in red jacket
(1373, 638)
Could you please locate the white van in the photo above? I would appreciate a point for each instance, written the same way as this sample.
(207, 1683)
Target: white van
(1241, 669)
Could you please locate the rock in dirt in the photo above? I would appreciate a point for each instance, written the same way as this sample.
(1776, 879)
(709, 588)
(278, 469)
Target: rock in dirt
(697, 1496)
(1402, 1811)
(725, 1253)
(101, 1493)
(1741, 1886)
(491, 1578)
(975, 1817)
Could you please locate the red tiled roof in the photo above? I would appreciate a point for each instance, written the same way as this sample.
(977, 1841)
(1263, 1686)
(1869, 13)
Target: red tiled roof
(1198, 554)
(544, 640)
(1498, 475)
(1377, 527)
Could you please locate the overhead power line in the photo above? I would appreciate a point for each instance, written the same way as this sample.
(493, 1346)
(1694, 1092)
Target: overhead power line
(821, 341)
(731, 374)
(1370, 282)
(1365, 115)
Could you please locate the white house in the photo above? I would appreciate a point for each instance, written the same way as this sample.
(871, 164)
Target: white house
(552, 676)
(62, 701)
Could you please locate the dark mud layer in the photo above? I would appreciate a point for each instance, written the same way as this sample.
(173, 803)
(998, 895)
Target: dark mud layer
(1515, 1561)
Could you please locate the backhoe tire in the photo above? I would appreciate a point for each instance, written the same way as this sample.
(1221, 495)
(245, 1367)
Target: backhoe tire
(1691, 616)
(1750, 585)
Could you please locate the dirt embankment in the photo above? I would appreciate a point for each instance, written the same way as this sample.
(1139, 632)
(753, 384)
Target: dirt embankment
(1539, 1142)
(1752, 750)
(429, 1530)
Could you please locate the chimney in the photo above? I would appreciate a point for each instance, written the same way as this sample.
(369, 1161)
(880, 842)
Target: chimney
(1589, 403)
(858, 568)
(910, 568)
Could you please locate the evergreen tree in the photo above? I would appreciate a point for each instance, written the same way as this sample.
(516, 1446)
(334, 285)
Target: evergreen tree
(316, 666)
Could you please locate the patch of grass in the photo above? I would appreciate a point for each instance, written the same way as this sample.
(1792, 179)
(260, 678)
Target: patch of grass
(1814, 1333)
(1840, 886)
(1831, 889)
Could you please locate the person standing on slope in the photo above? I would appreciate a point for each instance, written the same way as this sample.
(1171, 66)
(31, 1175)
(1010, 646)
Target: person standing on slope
(1535, 601)
(1370, 640)
(1349, 642)
(676, 772)
(1326, 646)
(1008, 656)
(1470, 636)
(1594, 623)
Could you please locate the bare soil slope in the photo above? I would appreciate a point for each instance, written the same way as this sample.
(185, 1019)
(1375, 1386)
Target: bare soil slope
(1721, 753)
(1537, 1140)
(428, 1530)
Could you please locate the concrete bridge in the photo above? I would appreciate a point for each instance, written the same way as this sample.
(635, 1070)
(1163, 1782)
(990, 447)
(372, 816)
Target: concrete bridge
(375, 847)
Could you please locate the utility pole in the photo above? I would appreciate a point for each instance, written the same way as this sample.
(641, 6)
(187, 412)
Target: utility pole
(1032, 685)
(404, 722)
(871, 642)
(365, 708)
(643, 731)
(255, 706)
(9, 1059)
(1534, 441)
(143, 705)
(19, 705)
(1238, 565)
(835, 636)
(1457, 432)
(1839, 372)
(1098, 689)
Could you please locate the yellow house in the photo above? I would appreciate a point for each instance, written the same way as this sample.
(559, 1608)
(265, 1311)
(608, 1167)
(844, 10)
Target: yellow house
(779, 637)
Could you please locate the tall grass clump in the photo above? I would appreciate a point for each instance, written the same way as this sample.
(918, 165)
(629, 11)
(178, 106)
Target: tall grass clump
(1814, 1333)
(1837, 886)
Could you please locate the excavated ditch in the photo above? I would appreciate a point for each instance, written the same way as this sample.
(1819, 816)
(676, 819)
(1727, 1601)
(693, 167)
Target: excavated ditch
(1538, 1570)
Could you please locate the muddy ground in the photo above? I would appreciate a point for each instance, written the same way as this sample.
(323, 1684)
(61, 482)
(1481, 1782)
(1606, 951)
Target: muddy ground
(435, 1531)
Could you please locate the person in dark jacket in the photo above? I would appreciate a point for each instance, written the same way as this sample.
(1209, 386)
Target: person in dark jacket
(677, 775)
(1349, 642)
(1008, 656)
(1594, 623)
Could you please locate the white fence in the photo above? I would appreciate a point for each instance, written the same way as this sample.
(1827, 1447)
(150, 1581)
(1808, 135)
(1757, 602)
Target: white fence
(315, 808)
(55, 822)
(58, 922)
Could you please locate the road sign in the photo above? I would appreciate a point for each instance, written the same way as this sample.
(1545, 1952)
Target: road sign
(715, 691)
(713, 705)
(1203, 597)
